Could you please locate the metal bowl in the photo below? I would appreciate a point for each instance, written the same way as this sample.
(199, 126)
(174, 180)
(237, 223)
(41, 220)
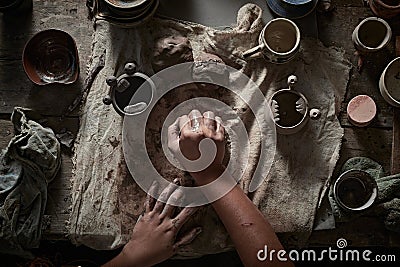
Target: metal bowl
(51, 56)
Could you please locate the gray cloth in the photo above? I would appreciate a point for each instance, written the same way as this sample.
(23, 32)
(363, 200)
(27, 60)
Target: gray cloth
(387, 204)
(27, 165)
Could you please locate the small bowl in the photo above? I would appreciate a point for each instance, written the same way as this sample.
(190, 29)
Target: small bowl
(355, 190)
(51, 56)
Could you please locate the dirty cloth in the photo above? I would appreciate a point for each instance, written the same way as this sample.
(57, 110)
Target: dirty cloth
(387, 204)
(27, 165)
(105, 199)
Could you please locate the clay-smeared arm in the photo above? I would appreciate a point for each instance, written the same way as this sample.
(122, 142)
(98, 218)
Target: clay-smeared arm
(246, 225)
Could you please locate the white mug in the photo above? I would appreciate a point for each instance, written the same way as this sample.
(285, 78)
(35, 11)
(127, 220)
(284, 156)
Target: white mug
(279, 41)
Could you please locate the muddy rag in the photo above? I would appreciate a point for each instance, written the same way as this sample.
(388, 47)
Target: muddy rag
(27, 165)
(387, 204)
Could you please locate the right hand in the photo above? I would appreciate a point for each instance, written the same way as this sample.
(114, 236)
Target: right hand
(185, 135)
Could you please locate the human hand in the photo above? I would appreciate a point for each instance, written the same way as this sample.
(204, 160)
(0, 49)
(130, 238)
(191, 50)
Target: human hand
(185, 136)
(154, 237)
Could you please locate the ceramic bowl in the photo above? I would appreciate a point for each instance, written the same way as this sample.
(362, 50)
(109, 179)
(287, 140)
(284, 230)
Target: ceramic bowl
(355, 190)
(292, 9)
(371, 35)
(51, 56)
(385, 8)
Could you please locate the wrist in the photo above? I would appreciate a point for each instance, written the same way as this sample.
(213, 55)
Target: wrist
(130, 257)
(208, 175)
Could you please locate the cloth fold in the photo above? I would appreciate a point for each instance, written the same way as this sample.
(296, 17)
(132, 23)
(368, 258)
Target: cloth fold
(387, 204)
(27, 165)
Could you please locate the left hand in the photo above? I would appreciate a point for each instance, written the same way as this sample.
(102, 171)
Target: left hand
(154, 235)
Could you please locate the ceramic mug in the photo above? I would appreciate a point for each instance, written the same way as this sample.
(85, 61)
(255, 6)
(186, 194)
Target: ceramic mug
(279, 41)
(371, 35)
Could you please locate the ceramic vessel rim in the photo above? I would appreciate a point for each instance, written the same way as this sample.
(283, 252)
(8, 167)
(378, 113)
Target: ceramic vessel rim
(368, 203)
(295, 47)
(384, 83)
(383, 4)
(38, 35)
(384, 42)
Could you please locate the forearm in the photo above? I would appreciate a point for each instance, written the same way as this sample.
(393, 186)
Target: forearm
(245, 222)
(130, 256)
(119, 261)
(246, 225)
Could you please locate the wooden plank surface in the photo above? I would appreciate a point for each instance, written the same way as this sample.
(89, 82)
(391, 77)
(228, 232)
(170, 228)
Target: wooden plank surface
(15, 31)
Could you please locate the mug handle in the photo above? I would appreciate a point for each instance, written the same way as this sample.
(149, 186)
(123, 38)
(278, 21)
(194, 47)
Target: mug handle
(252, 51)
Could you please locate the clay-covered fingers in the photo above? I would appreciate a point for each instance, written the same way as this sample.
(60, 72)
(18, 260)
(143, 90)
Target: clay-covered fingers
(150, 201)
(173, 135)
(183, 216)
(220, 130)
(184, 124)
(187, 238)
(162, 199)
(176, 199)
(210, 125)
(196, 120)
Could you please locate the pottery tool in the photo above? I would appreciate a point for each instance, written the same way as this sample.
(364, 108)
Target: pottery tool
(395, 160)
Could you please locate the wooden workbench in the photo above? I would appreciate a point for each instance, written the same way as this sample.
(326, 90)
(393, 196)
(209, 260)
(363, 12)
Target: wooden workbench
(53, 100)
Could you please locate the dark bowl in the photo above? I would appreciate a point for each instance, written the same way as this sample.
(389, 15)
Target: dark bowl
(355, 190)
(51, 56)
(292, 9)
